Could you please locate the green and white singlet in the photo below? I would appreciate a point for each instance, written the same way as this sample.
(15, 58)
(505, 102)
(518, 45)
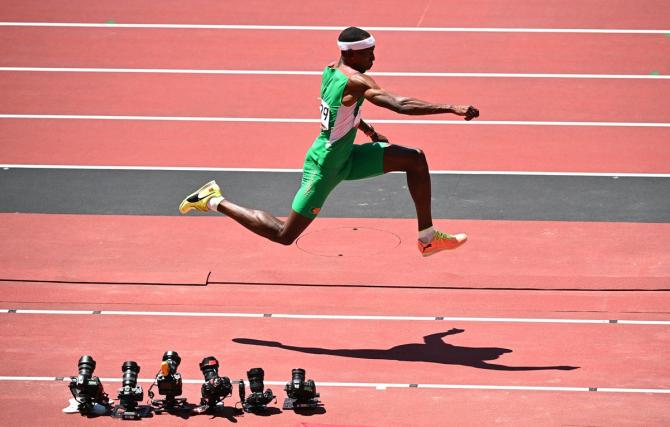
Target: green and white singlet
(333, 156)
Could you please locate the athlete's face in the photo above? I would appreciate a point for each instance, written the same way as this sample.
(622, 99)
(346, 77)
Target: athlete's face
(366, 58)
(360, 60)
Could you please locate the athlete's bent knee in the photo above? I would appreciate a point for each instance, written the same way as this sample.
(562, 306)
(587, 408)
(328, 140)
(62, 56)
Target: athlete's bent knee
(419, 161)
(285, 239)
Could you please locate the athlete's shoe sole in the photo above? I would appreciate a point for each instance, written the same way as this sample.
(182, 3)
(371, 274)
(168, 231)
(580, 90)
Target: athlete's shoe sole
(441, 242)
(198, 199)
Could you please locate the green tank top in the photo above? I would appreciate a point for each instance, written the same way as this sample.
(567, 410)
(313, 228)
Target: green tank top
(338, 122)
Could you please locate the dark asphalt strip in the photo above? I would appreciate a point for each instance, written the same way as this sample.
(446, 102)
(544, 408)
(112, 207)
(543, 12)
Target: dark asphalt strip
(497, 197)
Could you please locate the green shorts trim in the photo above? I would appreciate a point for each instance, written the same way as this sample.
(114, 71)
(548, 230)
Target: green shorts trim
(325, 167)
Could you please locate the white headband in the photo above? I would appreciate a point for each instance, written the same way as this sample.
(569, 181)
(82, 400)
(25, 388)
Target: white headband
(359, 45)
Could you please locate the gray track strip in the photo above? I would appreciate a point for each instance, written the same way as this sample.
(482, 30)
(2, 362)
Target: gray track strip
(497, 197)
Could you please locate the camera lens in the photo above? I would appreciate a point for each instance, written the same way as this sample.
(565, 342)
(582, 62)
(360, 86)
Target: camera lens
(256, 376)
(86, 366)
(210, 368)
(130, 370)
(173, 360)
(298, 377)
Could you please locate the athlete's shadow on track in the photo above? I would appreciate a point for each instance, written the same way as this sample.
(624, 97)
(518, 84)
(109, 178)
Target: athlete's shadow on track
(433, 350)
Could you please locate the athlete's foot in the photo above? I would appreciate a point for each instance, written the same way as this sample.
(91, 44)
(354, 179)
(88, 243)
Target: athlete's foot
(198, 199)
(440, 242)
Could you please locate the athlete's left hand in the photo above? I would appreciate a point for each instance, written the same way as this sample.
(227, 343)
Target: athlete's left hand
(468, 111)
(377, 137)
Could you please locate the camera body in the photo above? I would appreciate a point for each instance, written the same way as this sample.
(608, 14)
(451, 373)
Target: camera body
(86, 388)
(130, 393)
(257, 400)
(169, 386)
(215, 388)
(168, 379)
(301, 393)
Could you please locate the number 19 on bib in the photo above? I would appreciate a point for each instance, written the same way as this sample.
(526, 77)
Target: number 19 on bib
(325, 116)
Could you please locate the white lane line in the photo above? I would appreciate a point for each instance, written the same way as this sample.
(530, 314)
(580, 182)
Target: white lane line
(639, 322)
(338, 28)
(174, 313)
(15, 378)
(68, 312)
(442, 318)
(501, 387)
(384, 386)
(349, 317)
(318, 73)
(632, 390)
(9, 166)
(299, 120)
(332, 316)
(157, 118)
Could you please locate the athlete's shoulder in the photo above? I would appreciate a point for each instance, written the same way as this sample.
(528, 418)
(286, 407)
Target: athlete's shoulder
(362, 81)
(352, 75)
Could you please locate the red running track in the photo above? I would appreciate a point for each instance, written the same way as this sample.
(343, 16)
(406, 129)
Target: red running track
(296, 96)
(586, 346)
(643, 14)
(95, 249)
(305, 51)
(396, 351)
(184, 144)
(579, 255)
(357, 300)
(365, 407)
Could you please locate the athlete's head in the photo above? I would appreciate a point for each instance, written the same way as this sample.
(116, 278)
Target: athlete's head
(358, 48)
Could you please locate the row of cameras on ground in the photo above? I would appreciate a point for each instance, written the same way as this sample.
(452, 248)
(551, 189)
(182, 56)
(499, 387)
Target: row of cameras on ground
(89, 397)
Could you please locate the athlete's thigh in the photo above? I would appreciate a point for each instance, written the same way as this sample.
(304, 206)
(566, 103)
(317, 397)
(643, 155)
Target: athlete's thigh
(314, 190)
(367, 160)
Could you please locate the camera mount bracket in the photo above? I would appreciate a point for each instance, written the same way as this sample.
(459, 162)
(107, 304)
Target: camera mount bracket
(140, 411)
(290, 403)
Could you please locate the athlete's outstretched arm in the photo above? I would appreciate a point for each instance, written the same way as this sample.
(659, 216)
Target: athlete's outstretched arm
(408, 105)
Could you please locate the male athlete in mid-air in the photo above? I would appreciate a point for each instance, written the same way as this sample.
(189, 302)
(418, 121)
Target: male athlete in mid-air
(334, 157)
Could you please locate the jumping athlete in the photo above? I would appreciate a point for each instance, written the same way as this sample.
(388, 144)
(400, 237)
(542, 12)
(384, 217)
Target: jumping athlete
(334, 157)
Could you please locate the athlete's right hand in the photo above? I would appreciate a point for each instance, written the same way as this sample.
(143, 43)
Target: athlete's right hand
(468, 111)
(378, 137)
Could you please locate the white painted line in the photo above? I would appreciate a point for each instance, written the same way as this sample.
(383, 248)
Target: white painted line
(524, 320)
(337, 28)
(346, 384)
(633, 390)
(168, 71)
(502, 387)
(644, 322)
(176, 313)
(336, 316)
(348, 317)
(298, 120)
(148, 168)
(318, 73)
(14, 378)
(9, 166)
(19, 311)
(384, 386)
(157, 118)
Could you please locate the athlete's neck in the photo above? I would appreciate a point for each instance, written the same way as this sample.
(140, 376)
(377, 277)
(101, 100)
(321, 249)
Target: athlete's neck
(346, 69)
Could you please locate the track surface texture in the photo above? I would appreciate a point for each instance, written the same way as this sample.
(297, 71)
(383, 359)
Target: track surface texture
(556, 312)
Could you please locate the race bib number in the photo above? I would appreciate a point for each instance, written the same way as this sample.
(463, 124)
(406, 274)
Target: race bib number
(325, 116)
